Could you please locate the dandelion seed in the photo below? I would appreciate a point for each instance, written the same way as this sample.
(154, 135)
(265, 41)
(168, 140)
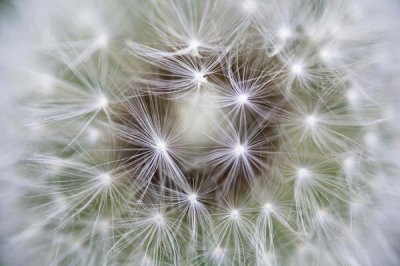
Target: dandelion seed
(284, 33)
(242, 99)
(353, 97)
(161, 146)
(303, 173)
(93, 134)
(102, 102)
(267, 208)
(235, 214)
(159, 219)
(102, 40)
(200, 77)
(297, 69)
(311, 121)
(192, 198)
(240, 150)
(325, 54)
(218, 252)
(371, 139)
(194, 44)
(348, 164)
(105, 179)
(45, 83)
(193, 47)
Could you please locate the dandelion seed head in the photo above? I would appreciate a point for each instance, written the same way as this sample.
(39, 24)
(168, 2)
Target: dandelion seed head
(152, 148)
